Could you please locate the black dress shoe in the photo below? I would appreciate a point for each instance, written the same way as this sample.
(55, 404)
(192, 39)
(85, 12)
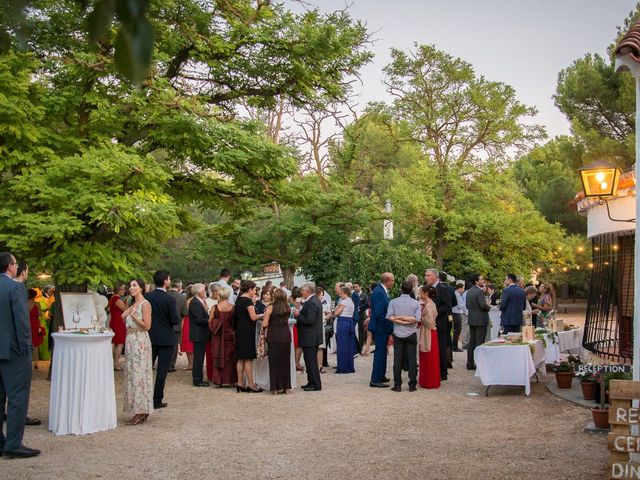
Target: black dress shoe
(378, 385)
(386, 379)
(30, 422)
(412, 388)
(200, 384)
(396, 388)
(443, 378)
(171, 369)
(471, 368)
(22, 452)
(311, 389)
(304, 386)
(457, 349)
(160, 405)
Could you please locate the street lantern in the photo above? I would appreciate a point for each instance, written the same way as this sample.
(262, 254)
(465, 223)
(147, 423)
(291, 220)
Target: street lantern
(599, 179)
(387, 233)
(246, 275)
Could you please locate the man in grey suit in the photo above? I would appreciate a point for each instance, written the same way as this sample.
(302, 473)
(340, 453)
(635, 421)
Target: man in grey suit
(478, 320)
(310, 335)
(181, 305)
(15, 359)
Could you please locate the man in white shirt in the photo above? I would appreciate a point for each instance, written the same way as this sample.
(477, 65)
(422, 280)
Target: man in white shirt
(283, 287)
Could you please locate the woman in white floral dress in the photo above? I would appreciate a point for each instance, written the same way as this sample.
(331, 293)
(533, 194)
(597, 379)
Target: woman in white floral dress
(138, 375)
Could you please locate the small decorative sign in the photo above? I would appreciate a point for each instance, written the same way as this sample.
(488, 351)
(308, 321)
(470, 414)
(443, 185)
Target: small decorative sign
(604, 368)
(528, 333)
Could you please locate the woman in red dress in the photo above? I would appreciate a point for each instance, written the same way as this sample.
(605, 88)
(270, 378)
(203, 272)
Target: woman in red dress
(186, 346)
(37, 330)
(116, 307)
(429, 373)
(223, 340)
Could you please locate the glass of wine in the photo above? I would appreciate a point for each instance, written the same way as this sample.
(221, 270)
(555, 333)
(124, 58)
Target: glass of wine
(94, 322)
(76, 320)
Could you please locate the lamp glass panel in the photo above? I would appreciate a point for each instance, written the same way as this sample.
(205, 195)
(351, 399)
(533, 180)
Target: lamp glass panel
(598, 182)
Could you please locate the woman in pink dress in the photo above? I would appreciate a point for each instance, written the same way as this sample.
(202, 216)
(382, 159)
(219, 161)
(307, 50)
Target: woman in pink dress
(116, 323)
(429, 373)
(186, 346)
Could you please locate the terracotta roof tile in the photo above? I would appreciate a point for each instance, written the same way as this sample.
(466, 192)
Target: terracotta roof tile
(630, 43)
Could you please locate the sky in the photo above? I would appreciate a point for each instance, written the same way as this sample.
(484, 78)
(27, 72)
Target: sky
(523, 43)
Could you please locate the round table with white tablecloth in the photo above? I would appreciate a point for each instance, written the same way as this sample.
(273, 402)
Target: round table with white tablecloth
(261, 365)
(567, 341)
(494, 330)
(83, 396)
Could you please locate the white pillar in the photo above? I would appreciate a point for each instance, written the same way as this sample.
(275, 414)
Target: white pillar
(388, 222)
(636, 278)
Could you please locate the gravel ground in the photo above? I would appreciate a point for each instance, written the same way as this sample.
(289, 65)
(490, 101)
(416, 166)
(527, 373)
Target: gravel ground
(347, 430)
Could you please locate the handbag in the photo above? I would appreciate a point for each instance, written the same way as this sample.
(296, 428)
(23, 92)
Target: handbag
(262, 344)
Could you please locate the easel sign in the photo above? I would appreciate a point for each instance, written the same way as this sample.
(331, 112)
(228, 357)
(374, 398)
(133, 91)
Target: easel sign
(620, 441)
(78, 310)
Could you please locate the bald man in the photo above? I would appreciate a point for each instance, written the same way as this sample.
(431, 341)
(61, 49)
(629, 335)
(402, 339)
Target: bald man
(381, 329)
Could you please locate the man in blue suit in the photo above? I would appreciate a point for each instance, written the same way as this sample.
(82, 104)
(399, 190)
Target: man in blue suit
(512, 304)
(15, 360)
(381, 329)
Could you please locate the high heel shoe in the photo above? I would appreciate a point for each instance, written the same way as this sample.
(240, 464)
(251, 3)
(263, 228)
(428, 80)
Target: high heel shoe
(241, 389)
(253, 390)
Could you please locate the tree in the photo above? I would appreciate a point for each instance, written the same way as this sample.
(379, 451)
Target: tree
(150, 154)
(460, 121)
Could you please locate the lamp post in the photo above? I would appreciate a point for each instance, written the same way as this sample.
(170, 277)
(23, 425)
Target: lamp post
(388, 222)
(246, 275)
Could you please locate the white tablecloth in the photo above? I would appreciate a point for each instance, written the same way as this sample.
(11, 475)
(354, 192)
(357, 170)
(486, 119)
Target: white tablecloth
(494, 316)
(261, 365)
(509, 364)
(569, 341)
(83, 398)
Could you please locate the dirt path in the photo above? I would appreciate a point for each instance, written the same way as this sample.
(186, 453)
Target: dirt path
(346, 431)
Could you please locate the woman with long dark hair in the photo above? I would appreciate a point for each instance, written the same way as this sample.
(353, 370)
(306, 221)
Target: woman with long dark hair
(138, 375)
(276, 321)
(244, 322)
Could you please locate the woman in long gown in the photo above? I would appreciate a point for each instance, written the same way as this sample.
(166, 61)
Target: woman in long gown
(116, 323)
(138, 375)
(223, 340)
(429, 372)
(345, 332)
(276, 321)
(186, 346)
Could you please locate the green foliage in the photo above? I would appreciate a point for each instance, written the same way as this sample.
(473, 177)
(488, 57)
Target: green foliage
(365, 263)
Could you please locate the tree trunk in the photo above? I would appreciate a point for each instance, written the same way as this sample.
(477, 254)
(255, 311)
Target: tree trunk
(440, 246)
(288, 273)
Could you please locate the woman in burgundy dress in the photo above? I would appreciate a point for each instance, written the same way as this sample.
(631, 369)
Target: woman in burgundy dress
(116, 307)
(186, 346)
(429, 373)
(223, 340)
(37, 330)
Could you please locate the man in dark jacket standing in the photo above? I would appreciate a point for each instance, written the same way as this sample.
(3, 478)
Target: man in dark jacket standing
(478, 317)
(164, 315)
(310, 335)
(198, 332)
(181, 306)
(443, 305)
(512, 304)
(15, 359)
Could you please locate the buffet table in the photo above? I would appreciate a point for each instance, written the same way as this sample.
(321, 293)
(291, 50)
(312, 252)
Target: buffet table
(567, 341)
(509, 364)
(261, 365)
(82, 396)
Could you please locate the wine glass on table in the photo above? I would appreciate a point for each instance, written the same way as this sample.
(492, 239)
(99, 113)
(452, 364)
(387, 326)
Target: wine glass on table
(76, 320)
(94, 322)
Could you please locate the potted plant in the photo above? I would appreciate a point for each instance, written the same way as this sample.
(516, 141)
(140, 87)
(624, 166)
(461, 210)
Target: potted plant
(564, 373)
(600, 413)
(587, 384)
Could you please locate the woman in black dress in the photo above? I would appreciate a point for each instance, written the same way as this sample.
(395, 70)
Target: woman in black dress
(244, 323)
(276, 321)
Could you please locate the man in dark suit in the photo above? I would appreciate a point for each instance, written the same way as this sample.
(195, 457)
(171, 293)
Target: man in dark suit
(15, 360)
(310, 335)
(512, 304)
(478, 317)
(164, 316)
(362, 306)
(381, 328)
(443, 305)
(198, 332)
(443, 277)
(181, 306)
